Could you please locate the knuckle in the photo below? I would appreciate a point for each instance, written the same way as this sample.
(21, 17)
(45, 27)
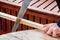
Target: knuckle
(48, 33)
(55, 29)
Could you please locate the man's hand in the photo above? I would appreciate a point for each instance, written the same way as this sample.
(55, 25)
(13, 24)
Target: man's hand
(52, 29)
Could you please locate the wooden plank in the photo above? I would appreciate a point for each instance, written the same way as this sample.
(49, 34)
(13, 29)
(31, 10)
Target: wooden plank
(25, 26)
(2, 32)
(35, 5)
(0, 9)
(51, 6)
(23, 21)
(51, 21)
(3, 21)
(14, 13)
(30, 17)
(0, 21)
(0, 24)
(37, 19)
(45, 4)
(19, 28)
(33, 1)
(4, 5)
(8, 22)
(55, 9)
(43, 15)
(27, 18)
(43, 21)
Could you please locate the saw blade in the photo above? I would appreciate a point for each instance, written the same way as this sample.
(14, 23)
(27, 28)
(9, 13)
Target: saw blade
(21, 14)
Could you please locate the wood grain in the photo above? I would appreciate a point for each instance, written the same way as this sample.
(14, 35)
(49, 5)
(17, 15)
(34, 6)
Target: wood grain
(28, 35)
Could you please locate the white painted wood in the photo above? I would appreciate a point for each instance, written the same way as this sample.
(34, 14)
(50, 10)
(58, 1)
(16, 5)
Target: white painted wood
(55, 9)
(45, 4)
(51, 6)
(41, 1)
(33, 1)
(18, 1)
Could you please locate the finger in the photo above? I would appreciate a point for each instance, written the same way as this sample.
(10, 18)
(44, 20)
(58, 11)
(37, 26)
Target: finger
(55, 33)
(45, 25)
(58, 35)
(49, 32)
(46, 29)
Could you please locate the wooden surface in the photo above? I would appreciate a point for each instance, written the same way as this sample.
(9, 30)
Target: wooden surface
(27, 35)
(38, 5)
(47, 6)
(33, 15)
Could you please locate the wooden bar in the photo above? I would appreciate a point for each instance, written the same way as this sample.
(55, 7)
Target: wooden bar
(23, 21)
